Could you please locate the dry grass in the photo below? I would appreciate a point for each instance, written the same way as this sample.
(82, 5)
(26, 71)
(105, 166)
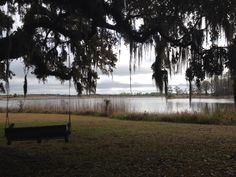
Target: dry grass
(219, 117)
(113, 148)
(119, 110)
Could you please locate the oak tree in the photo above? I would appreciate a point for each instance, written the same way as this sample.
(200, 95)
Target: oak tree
(186, 35)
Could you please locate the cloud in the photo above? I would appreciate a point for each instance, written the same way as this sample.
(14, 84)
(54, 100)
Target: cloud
(141, 79)
(35, 87)
(17, 67)
(115, 84)
(124, 71)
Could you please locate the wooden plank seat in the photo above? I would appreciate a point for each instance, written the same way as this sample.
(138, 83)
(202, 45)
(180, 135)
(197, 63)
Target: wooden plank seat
(37, 133)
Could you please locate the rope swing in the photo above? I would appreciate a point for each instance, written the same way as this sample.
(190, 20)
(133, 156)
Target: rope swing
(7, 122)
(37, 133)
(69, 96)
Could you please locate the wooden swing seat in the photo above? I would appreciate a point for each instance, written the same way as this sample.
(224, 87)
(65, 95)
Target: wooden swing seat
(37, 133)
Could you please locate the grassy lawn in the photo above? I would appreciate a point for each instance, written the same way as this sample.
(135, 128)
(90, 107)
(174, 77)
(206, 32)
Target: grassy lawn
(118, 148)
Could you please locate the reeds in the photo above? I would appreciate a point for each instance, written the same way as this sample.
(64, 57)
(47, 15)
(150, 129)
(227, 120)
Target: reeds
(61, 106)
(217, 117)
(119, 109)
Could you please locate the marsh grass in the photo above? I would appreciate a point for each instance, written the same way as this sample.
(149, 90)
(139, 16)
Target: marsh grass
(118, 109)
(217, 117)
(103, 147)
(90, 107)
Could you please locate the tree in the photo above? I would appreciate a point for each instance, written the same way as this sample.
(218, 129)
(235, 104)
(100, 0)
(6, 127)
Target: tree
(178, 90)
(170, 91)
(50, 31)
(222, 86)
(178, 29)
(206, 85)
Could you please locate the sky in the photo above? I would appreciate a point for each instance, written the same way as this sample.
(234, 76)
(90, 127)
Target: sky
(119, 82)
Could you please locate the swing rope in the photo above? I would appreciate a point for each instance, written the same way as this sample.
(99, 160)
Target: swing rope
(7, 95)
(7, 122)
(69, 109)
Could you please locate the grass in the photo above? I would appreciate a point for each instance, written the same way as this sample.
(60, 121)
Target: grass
(217, 118)
(106, 147)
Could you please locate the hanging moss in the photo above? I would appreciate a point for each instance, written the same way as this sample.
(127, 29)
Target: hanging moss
(25, 86)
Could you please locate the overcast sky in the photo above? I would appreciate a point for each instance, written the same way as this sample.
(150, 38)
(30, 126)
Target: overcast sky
(118, 83)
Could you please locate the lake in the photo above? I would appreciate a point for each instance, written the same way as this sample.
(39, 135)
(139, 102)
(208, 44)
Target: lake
(124, 104)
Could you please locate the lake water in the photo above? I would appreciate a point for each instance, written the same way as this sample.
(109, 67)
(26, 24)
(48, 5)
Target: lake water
(125, 104)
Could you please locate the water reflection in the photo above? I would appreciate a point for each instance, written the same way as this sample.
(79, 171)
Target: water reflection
(126, 104)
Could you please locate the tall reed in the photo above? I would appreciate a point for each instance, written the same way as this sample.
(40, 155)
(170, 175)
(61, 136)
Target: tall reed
(115, 107)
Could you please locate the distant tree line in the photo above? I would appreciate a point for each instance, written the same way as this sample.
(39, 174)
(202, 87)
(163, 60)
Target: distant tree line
(222, 86)
(216, 86)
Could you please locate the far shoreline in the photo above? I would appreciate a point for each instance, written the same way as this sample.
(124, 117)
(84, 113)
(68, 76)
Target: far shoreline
(58, 96)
